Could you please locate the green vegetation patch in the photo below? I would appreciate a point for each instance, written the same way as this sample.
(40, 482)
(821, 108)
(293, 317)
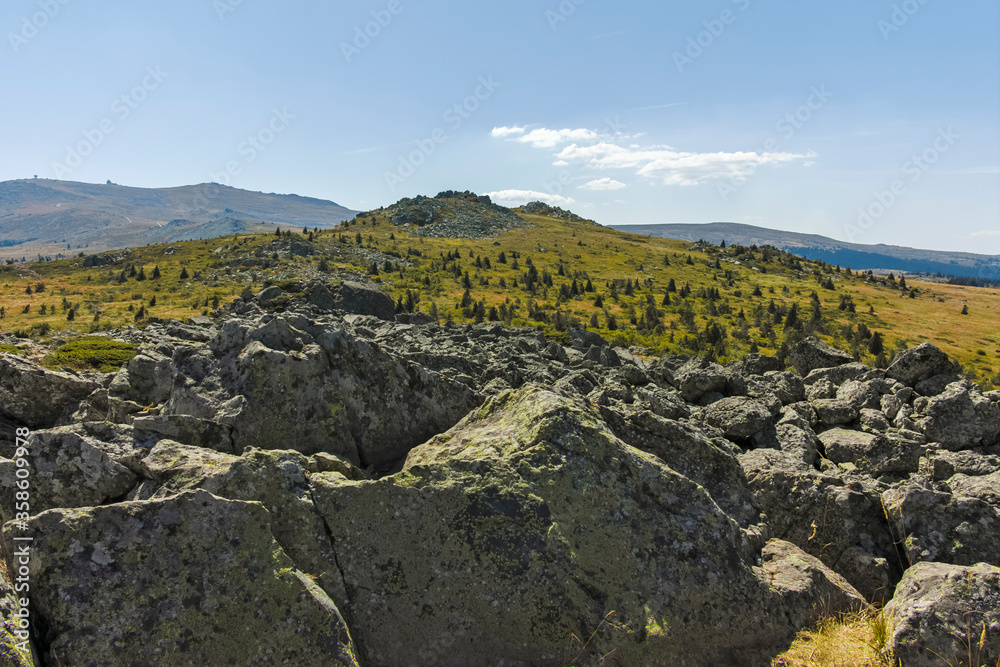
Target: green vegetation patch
(91, 353)
(10, 349)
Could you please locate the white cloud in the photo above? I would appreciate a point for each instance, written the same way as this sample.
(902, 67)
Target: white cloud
(604, 184)
(546, 138)
(664, 164)
(518, 197)
(503, 132)
(986, 232)
(672, 167)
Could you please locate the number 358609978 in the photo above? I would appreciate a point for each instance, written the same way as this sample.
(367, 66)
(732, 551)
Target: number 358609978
(22, 472)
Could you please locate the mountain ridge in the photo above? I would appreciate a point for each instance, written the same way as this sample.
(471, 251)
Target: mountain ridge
(49, 217)
(814, 246)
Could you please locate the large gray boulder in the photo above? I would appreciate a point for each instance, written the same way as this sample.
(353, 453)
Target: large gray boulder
(919, 363)
(36, 396)
(811, 353)
(962, 417)
(527, 524)
(946, 615)
(282, 383)
(67, 470)
(872, 454)
(935, 525)
(698, 377)
(359, 299)
(146, 379)
(192, 579)
(738, 417)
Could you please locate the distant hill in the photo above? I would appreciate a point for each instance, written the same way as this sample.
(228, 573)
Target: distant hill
(453, 214)
(40, 216)
(812, 246)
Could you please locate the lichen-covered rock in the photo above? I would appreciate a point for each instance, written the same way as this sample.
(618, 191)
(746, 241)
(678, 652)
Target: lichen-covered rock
(189, 430)
(919, 363)
(526, 524)
(944, 464)
(38, 397)
(872, 454)
(936, 525)
(352, 297)
(67, 470)
(192, 579)
(315, 389)
(811, 353)
(840, 522)
(738, 417)
(946, 614)
(834, 412)
(962, 417)
(807, 586)
(146, 379)
(699, 377)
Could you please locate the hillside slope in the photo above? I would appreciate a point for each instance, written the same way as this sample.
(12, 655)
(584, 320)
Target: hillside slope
(48, 217)
(555, 274)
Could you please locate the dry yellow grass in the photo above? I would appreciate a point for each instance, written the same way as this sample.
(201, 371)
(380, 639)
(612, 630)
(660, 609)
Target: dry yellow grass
(856, 640)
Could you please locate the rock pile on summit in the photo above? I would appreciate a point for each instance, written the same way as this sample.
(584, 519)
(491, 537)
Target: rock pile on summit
(306, 481)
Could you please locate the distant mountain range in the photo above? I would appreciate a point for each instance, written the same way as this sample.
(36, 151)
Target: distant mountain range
(47, 217)
(854, 255)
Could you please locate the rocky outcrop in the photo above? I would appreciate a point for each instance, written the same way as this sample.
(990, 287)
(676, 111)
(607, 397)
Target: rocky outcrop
(946, 614)
(545, 522)
(283, 484)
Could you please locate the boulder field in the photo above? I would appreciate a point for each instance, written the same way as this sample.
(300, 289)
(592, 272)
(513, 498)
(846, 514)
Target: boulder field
(319, 484)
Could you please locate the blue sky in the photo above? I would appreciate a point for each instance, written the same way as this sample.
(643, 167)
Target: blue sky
(876, 121)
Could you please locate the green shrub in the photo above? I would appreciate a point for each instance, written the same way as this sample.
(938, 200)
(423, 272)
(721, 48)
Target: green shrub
(10, 349)
(91, 353)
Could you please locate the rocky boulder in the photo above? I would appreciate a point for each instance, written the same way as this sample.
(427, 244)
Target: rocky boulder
(937, 525)
(38, 397)
(68, 470)
(192, 579)
(811, 353)
(359, 299)
(919, 363)
(946, 614)
(840, 522)
(738, 417)
(962, 417)
(527, 524)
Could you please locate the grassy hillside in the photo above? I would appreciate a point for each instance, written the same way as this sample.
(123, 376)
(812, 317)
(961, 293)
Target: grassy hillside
(723, 302)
